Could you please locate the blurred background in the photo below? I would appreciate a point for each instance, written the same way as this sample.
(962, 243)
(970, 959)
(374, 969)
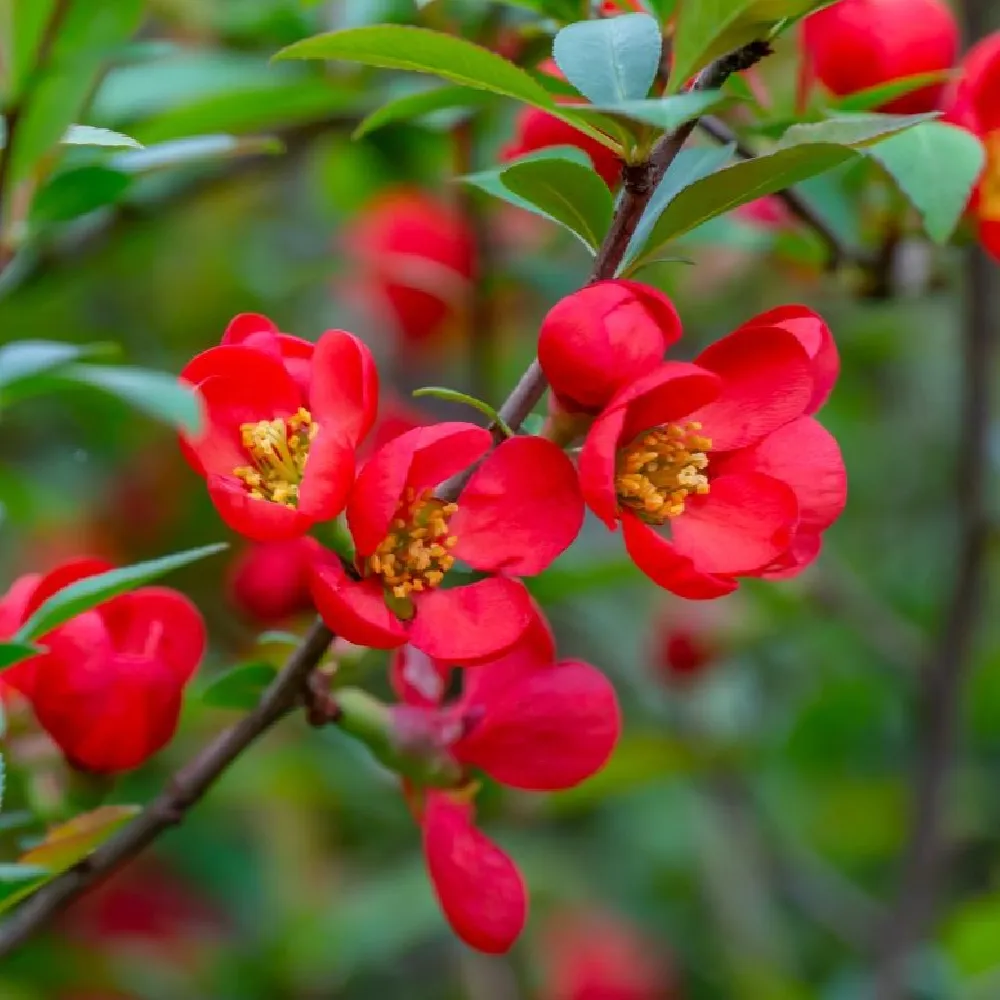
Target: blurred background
(746, 835)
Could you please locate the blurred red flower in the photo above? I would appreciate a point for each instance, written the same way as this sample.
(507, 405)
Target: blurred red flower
(108, 687)
(856, 44)
(520, 509)
(974, 104)
(283, 422)
(725, 452)
(683, 652)
(269, 581)
(595, 955)
(526, 721)
(415, 257)
(602, 337)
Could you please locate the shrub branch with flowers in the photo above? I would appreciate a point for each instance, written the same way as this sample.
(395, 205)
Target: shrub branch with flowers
(708, 468)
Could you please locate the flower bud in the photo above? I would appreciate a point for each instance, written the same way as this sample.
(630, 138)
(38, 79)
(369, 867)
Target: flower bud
(602, 337)
(856, 44)
(269, 582)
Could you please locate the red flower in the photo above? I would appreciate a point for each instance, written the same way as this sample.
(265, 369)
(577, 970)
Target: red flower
(108, 687)
(725, 452)
(528, 723)
(521, 508)
(856, 44)
(416, 256)
(683, 652)
(599, 956)
(536, 129)
(269, 581)
(283, 421)
(602, 337)
(974, 104)
(768, 213)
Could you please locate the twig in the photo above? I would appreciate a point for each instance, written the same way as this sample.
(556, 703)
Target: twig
(184, 790)
(926, 856)
(838, 252)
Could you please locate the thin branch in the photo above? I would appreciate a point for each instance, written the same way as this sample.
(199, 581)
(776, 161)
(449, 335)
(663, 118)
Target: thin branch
(184, 790)
(925, 859)
(838, 252)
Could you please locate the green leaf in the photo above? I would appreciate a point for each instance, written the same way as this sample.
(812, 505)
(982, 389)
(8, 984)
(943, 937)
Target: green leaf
(94, 590)
(22, 26)
(88, 135)
(71, 842)
(183, 152)
(454, 396)
(24, 359)
(935, 165)
(15, 652)
(873, 97)
(73, 193)
(240, 687)
(57, 93)
(397, 46)
(571, 194)
(18, 881)
(690, 166)
(417, 105)
(610, 60)
(667, 113)
(850, 130)
(160, 396)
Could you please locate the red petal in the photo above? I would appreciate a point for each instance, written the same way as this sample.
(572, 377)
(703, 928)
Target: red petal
(298, 357)
(355, 609)
(14, 602)
(811, 331)
(553, 730)
(806, 456)
(989, 236)
(327, 478)
(745, 522)
(521, 509)
(244, 326)
(422, 457)
(258, 520)
(479, 888)
(472, 622)
(59, 578)
(767, 382)
(160, 623)
(344, 390)
(803, 551)
(666, 567)
(416, 678)
(597, 465)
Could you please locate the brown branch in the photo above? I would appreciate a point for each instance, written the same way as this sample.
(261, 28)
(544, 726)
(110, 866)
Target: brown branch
(926, 857)
(185, 789)
(838, 252)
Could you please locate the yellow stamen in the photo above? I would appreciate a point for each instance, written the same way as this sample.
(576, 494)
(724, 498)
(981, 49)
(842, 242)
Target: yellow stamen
(414, 556)
(989, 205)
(660, 469)
(279, 450)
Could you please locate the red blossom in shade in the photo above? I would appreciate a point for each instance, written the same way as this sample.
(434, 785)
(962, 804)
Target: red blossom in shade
(108, 687)
(594, 955)
(269, 581)
(683, 653)
(974, 104)
(526, 721)
(725, 452)
(520, 509)
(602, 337)
(856, 44)
(535, 129)
(767, 213)
(283, 421)
(415, 256)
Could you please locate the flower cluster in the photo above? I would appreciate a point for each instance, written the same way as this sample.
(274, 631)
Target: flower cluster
(724, 452)
(524, 720)
(108, 683)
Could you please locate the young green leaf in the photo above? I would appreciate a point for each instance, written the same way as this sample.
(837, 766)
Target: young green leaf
(160, 396)
(24, 359)
(935, 165)
(873, 97)
(239, 688)
(851, 130)
(88, 135)
(15, 652)
(71, 842)
(18, 881)
(417, 105)
(454, 396)
(397, 46)
(73, 193)
(571, 194)
(610, 60)
(669, 112)
(182, 152)
(94, 590)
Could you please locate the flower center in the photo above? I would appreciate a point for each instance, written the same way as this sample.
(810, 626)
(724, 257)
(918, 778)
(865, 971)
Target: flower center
(660, 469)
(415, 555)
(990, 197)
(279, 449)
